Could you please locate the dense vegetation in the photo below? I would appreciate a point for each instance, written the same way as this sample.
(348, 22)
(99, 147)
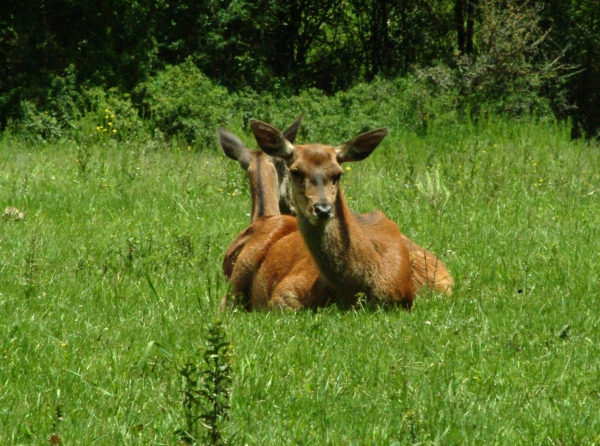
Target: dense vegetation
(120, 249)
(116, 209)
(513, 56)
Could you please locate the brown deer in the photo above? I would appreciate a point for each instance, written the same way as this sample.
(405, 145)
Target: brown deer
(268, 265)
(235, 149)
(355, 254)
(428, 270)
(267, 181)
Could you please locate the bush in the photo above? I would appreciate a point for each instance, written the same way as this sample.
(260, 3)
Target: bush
(510, 68)
(111, 114)
(409, 104)
(54, 116)
(42, 125)
(182, 101)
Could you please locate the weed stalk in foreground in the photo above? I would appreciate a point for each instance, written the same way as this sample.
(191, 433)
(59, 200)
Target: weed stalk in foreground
(206, 390)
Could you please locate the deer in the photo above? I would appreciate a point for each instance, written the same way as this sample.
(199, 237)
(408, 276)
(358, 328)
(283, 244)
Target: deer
(235, 149)
(268, 265)
(268, 191)
(428, 270)
(355, 254)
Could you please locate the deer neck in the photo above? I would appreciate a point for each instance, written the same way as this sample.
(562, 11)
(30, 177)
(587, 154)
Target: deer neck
(285, 191)
(334, 246)
(264, 187)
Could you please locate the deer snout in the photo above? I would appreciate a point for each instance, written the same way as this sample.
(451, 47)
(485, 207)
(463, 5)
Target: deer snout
(323, 211)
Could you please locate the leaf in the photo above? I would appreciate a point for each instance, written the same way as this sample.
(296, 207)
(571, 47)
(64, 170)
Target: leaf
(563, 332)
(164, 351)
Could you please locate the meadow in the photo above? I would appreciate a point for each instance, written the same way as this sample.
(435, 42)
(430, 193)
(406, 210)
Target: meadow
(513, 357)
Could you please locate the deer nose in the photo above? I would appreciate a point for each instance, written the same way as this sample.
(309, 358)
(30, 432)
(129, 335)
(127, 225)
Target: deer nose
(323, 210)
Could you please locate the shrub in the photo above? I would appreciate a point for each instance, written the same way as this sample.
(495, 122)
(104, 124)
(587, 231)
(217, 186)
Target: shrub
(510, 67)
(54, 116)
(182, 101)
(111, 114)
(40, 124)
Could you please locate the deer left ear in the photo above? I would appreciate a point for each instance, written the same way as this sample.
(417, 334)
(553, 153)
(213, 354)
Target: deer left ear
(234, 148)
(271, 141)
(360, 147)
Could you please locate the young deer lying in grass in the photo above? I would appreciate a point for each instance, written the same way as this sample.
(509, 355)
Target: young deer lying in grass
(428, 270)
(267, 187)
(355, 254)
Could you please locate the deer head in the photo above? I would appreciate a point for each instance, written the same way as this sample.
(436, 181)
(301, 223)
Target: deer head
(315, 168)
(249, 160)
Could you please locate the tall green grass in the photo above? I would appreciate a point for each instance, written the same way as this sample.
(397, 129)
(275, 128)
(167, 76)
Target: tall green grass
(513, 357)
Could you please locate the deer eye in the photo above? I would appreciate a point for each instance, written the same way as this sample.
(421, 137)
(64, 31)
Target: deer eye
(296, 174)
(336, 179)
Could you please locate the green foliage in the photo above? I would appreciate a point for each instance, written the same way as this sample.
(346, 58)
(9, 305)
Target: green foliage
(404, 104)
(184, 102)
(509, 57)
(510, 67)
(493, 364)
(54, 116)
(41, 125)
(574, 27)
(83, 115)
(110, 114)
(207, 388)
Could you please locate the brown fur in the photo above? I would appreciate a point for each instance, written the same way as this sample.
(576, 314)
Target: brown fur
(428, 270)
(268, 264)
(248, 250)
(354, 254)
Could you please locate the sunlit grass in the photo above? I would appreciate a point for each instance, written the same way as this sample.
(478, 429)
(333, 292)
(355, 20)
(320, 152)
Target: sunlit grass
(511, 358)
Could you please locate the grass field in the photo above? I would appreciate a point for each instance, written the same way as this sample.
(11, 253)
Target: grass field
(513, 357)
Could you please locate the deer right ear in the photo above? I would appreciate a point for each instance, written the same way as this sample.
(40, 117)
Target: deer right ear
(271, 141)
(292, 131)
(234, 148)
(360, 147)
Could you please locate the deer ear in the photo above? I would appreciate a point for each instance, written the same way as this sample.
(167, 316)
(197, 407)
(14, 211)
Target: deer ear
(360, 147)
(234, 148)
(271, 141)
(291, 132)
